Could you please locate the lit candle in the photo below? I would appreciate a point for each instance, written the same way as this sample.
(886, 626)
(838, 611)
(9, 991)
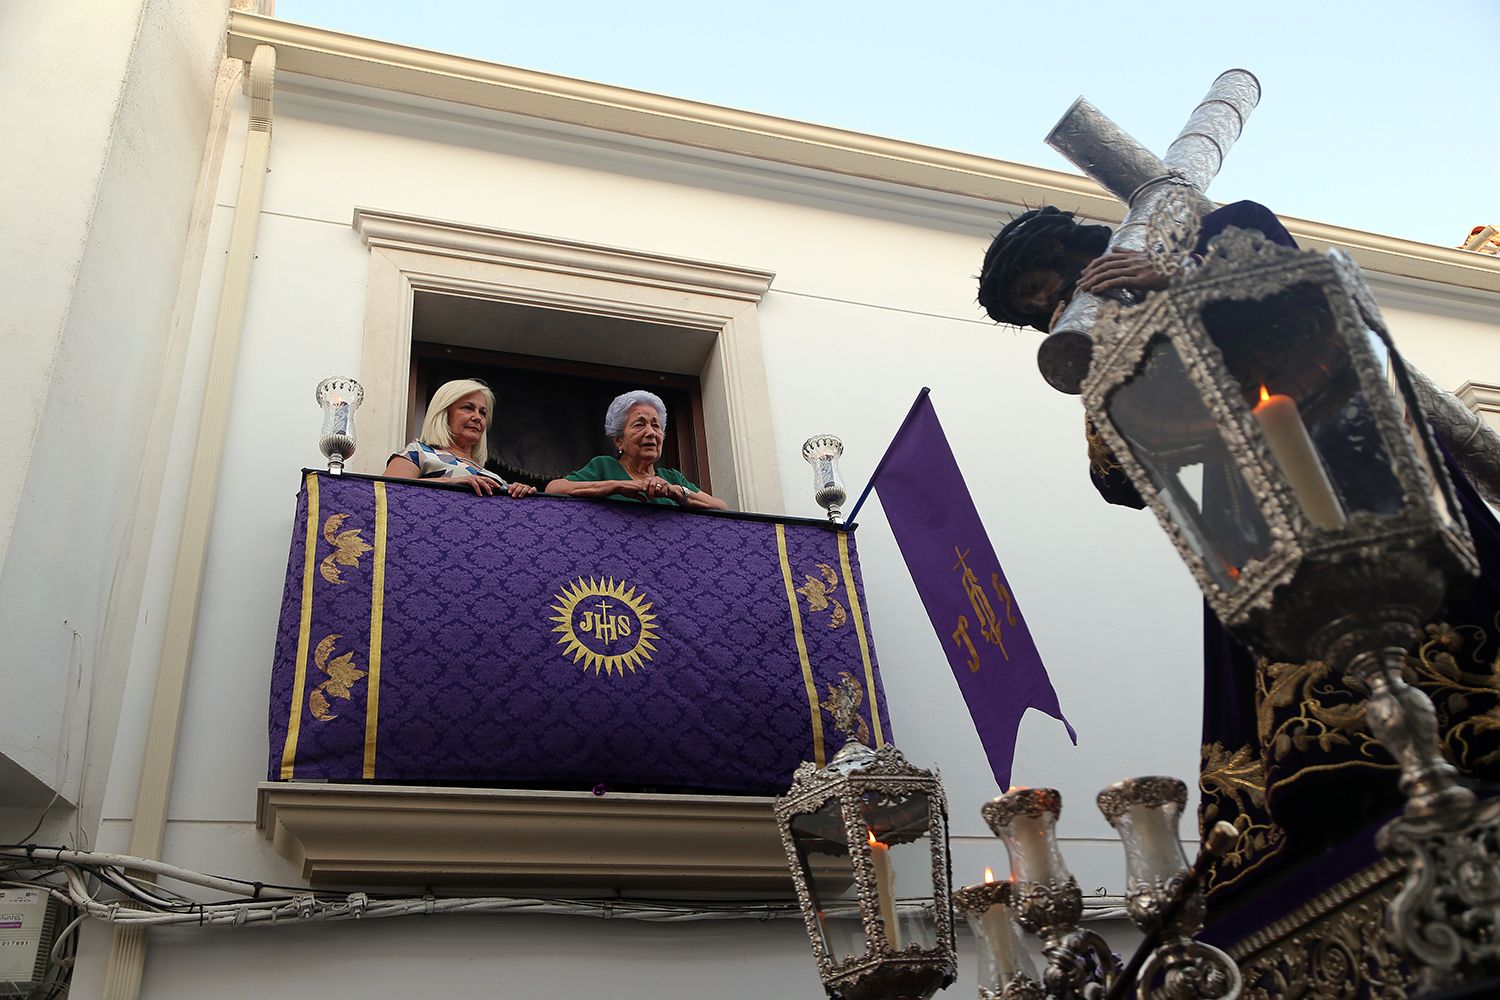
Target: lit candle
(1028, 832)
(339, 415)
(885, 886)
(1294, 452)
(1002, 953)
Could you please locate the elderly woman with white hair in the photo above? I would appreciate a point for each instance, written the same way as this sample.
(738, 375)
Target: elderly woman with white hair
(636, 421)
(454, 442)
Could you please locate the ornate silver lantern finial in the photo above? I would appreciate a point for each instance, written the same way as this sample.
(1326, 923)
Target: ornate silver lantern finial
(822, 452)
(340, 397)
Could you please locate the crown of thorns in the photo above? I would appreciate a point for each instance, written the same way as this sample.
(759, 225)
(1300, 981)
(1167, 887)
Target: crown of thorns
(1034, 239)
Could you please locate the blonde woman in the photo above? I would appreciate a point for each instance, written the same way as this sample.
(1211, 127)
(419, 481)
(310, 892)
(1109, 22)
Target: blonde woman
(454, 444)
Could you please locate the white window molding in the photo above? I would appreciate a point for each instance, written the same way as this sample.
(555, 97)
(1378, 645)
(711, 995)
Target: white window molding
(1483, 399)
(525, 840)
(714, 304)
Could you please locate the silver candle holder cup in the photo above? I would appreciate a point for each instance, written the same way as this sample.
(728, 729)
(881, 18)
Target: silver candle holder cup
(822, 452)
(1005, 969)
(339, 396)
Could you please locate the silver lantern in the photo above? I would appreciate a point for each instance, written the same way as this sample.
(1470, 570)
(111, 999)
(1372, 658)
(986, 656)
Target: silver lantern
(866, 838)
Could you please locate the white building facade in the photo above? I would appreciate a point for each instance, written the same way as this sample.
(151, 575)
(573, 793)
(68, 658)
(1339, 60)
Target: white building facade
(241, 241)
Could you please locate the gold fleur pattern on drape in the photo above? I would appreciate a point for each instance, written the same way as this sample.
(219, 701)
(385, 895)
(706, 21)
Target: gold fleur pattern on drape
(819, 595)
(348, 546)
(342, 676)
(1460, 671)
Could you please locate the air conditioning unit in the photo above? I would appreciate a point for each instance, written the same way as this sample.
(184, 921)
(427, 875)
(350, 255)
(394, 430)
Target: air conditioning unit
(29, 922)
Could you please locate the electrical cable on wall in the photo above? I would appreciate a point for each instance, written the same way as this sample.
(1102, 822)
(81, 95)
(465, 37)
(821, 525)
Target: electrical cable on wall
(145, 903)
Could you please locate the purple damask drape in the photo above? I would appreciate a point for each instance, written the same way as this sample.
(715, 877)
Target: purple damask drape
(432, 636)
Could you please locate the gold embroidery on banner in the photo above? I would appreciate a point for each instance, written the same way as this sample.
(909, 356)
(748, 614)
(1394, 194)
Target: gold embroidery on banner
(984, 611)
(342, 676)
(604, 624)
(856, 697)
(347, 547)
(377, 630)
(859, 630)
(819, 595)
(299, 680)
(820, 754)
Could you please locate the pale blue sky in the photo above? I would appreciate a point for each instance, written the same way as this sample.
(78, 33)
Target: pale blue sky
(1376, 114)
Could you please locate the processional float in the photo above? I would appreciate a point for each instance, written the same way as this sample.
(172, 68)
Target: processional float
(1272, 369)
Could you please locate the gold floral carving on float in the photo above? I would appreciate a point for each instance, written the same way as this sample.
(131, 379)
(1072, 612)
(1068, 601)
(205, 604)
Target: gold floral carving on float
(342, 676)
(819, 595)
(348, 546)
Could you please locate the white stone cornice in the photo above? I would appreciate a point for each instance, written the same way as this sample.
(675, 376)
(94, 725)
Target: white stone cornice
(401, 69)
(387, 230)
(1481, 397)
(331, 55)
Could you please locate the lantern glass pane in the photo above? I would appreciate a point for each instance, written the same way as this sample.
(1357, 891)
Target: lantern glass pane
(822, 843)
(901, 832)
(1405, 403)
(1292, 367)
(1174, 437)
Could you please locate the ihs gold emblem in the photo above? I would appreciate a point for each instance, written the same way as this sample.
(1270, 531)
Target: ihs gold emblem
(604, 624)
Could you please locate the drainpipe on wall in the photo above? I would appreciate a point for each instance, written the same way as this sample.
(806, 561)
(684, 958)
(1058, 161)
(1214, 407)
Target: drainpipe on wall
(127, 951)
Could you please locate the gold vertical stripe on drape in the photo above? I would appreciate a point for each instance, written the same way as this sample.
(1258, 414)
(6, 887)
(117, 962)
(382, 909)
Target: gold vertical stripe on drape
(377, 621)
(864, 643)
(299, 683)
(819, 756)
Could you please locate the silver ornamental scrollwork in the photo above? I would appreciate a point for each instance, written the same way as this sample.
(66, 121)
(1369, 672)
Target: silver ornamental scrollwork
(1020, 988)
(1153, 792)
(1033, 802)
(1332, 948)
(1447, 914)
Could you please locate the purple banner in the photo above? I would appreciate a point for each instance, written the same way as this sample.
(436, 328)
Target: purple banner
(962, 586)
(433, 636)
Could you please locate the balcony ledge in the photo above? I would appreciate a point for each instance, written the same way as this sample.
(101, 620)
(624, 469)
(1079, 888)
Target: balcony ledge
(526, 841)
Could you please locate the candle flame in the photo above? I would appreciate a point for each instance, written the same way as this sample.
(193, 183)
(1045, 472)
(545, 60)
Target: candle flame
(873, 841)
(989, 874)
(1264, 395)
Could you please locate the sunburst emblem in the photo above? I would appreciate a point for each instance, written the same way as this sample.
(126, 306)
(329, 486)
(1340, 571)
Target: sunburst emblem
(604, 624)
